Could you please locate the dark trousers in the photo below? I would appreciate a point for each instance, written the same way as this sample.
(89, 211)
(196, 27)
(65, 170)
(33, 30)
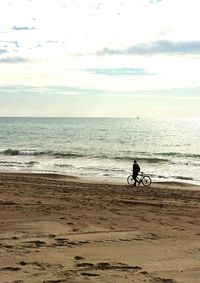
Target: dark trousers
(135, 178)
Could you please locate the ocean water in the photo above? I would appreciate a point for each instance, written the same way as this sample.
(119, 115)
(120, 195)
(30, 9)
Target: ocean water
(166, 149)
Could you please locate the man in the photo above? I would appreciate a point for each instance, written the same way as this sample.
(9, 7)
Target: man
(136, 170)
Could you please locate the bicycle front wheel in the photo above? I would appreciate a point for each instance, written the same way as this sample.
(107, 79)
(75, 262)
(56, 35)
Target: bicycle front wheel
(146, 181)
(130, 180)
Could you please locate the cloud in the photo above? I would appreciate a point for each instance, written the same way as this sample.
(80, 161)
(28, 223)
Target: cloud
(2, 51)
(155, 1)
(52, 41)
(119, 71)
(15, 59)
(6, 43)
(22, 28)
(156, 47)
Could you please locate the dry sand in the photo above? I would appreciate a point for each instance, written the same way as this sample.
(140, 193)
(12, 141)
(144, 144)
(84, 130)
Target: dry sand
(58, 229)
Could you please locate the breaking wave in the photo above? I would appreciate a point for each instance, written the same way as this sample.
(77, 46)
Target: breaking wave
(13, 152)
(178, 154)
(145, 159)
(155, 158)
(57, 154)
(4, 163)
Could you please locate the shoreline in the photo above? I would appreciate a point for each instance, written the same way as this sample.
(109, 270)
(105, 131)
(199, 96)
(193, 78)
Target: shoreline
(57, 228)
(99, 180)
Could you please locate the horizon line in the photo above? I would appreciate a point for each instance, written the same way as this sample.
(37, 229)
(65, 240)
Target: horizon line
(105, 117)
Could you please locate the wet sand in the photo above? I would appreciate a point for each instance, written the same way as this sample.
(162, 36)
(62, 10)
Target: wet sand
(56, 228)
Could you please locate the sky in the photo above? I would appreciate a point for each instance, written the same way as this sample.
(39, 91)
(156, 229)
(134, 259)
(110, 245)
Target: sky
(100, 58)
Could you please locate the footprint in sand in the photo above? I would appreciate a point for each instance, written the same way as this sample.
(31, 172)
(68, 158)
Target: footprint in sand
(85, 264)
(157, 279)
(34, 244)
(10, 268)
(23, 263)
(89, 274)
(52, 236)
(78, 257)
(55, 281)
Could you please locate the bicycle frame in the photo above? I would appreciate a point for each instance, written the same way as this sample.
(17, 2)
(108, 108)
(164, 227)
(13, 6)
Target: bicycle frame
(139, 177)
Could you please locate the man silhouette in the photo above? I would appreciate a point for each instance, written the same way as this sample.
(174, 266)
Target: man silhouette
(136, 170)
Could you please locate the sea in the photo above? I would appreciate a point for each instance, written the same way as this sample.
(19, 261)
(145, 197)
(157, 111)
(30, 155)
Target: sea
(102, 148)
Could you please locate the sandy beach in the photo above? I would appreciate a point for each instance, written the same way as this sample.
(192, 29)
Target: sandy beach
(55, 228)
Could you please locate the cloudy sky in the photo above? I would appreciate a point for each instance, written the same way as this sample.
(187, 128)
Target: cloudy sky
(113, 58)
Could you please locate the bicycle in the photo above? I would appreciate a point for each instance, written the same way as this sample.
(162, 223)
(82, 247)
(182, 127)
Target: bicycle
(141, 178)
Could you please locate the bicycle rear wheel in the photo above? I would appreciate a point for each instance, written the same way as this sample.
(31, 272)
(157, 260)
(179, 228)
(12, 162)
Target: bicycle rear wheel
(146, 181)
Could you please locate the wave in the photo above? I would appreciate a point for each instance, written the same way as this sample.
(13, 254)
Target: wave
(67, 154)
(13, 152)
(183, 178)
(4, 163)
(145, 159)
(63, 165)
(155, 158)
(178, 154)
(61, 154)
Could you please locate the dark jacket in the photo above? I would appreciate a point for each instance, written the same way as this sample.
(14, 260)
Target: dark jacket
(136, 169)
